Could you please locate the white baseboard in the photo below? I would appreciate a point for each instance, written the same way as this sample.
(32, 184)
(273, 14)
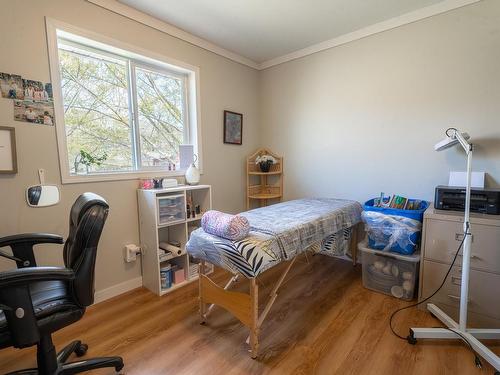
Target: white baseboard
(115, 290)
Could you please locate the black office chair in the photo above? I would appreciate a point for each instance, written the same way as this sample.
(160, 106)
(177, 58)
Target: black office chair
(37, 301)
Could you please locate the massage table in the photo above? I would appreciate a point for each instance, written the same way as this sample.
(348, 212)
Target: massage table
(278, 233)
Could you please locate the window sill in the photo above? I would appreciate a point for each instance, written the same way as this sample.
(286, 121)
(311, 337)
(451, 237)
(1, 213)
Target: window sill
(121, 176)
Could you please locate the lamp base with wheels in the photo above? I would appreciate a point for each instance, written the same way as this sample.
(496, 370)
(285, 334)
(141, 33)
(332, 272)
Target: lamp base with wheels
(453, 332)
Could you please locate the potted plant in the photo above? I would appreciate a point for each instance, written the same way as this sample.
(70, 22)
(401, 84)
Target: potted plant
(88, 160)
(265, 161)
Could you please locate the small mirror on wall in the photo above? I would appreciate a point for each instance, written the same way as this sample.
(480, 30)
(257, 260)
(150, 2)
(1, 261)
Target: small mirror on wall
(42, 195)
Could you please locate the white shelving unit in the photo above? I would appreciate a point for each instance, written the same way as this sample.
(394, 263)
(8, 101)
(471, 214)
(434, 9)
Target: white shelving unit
(163, 218)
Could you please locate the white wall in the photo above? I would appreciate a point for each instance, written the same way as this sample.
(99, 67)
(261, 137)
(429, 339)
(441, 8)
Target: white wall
(224, 85)
(362, 118)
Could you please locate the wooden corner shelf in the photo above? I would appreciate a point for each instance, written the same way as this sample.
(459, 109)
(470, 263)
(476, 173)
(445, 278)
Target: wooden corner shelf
(264, 173)
(264, 196)
(270, 184)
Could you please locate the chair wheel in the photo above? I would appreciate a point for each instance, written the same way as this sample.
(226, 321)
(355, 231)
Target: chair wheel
(119, 368)
(81, 350)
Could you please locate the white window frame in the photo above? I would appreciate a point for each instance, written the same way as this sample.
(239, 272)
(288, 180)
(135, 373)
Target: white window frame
(141, 58)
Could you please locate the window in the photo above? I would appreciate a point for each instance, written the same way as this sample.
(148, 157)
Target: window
(124, 114)
(99, 128)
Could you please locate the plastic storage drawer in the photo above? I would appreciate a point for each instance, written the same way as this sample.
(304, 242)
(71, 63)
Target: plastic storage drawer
(171, 209)
(390, 273)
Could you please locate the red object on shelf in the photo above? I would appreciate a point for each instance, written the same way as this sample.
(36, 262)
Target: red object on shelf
(179, 276)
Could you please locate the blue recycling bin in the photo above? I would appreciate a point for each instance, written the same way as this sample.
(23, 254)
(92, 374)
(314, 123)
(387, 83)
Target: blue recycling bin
(392, 229)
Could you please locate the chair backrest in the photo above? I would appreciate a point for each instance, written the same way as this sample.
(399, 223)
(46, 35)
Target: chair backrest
(86, 221)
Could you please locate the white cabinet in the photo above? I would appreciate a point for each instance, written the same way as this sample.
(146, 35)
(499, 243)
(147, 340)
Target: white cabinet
(164, 219)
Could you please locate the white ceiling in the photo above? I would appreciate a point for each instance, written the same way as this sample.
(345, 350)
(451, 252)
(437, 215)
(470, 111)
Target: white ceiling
(261, 30)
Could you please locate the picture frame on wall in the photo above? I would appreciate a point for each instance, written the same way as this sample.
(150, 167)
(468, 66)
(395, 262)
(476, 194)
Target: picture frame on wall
(233, 128)
(8, 156)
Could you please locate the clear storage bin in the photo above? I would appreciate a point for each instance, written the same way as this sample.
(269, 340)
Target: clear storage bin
(390, 273)
(171, 209)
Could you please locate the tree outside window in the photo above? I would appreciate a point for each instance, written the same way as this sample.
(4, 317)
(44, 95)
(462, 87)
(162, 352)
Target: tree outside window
(119, 115)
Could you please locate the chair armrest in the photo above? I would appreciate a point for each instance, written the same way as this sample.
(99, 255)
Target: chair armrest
(28, 275)
(31, 238)
(22, 246)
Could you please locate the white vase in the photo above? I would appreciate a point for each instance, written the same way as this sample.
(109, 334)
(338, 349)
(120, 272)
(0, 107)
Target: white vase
(192, 175)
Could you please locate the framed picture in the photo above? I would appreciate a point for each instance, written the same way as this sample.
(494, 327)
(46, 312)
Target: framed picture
(8, 157)
(233, 128)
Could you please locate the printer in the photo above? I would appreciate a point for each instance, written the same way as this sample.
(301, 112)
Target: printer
(482, 200)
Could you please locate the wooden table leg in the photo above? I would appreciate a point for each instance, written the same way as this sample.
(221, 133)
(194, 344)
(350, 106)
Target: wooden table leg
(354, 244)
(201, 272)
(254, 328)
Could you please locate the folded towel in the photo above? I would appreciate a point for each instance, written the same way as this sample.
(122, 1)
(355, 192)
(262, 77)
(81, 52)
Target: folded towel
(232, 227)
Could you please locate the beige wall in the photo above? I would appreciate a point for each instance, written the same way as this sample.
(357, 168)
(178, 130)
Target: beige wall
(224, 85)
(350, 121)
(363, 117)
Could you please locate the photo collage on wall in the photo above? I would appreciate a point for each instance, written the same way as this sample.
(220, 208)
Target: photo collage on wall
(33, 100)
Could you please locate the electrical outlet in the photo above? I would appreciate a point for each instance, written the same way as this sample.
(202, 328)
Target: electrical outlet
(131, 252)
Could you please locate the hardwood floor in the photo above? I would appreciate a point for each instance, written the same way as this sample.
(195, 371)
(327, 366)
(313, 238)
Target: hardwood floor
(323, 322)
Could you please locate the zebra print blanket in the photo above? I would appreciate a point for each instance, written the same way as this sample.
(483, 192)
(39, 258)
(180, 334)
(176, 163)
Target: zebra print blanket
(281, 232)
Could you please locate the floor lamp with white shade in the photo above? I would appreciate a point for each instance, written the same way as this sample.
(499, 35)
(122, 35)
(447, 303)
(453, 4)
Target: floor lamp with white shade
(459, 330)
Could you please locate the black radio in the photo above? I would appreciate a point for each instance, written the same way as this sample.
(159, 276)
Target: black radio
(486, 201)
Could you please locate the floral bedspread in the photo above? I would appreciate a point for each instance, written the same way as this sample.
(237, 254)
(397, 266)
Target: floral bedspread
(280, 232)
